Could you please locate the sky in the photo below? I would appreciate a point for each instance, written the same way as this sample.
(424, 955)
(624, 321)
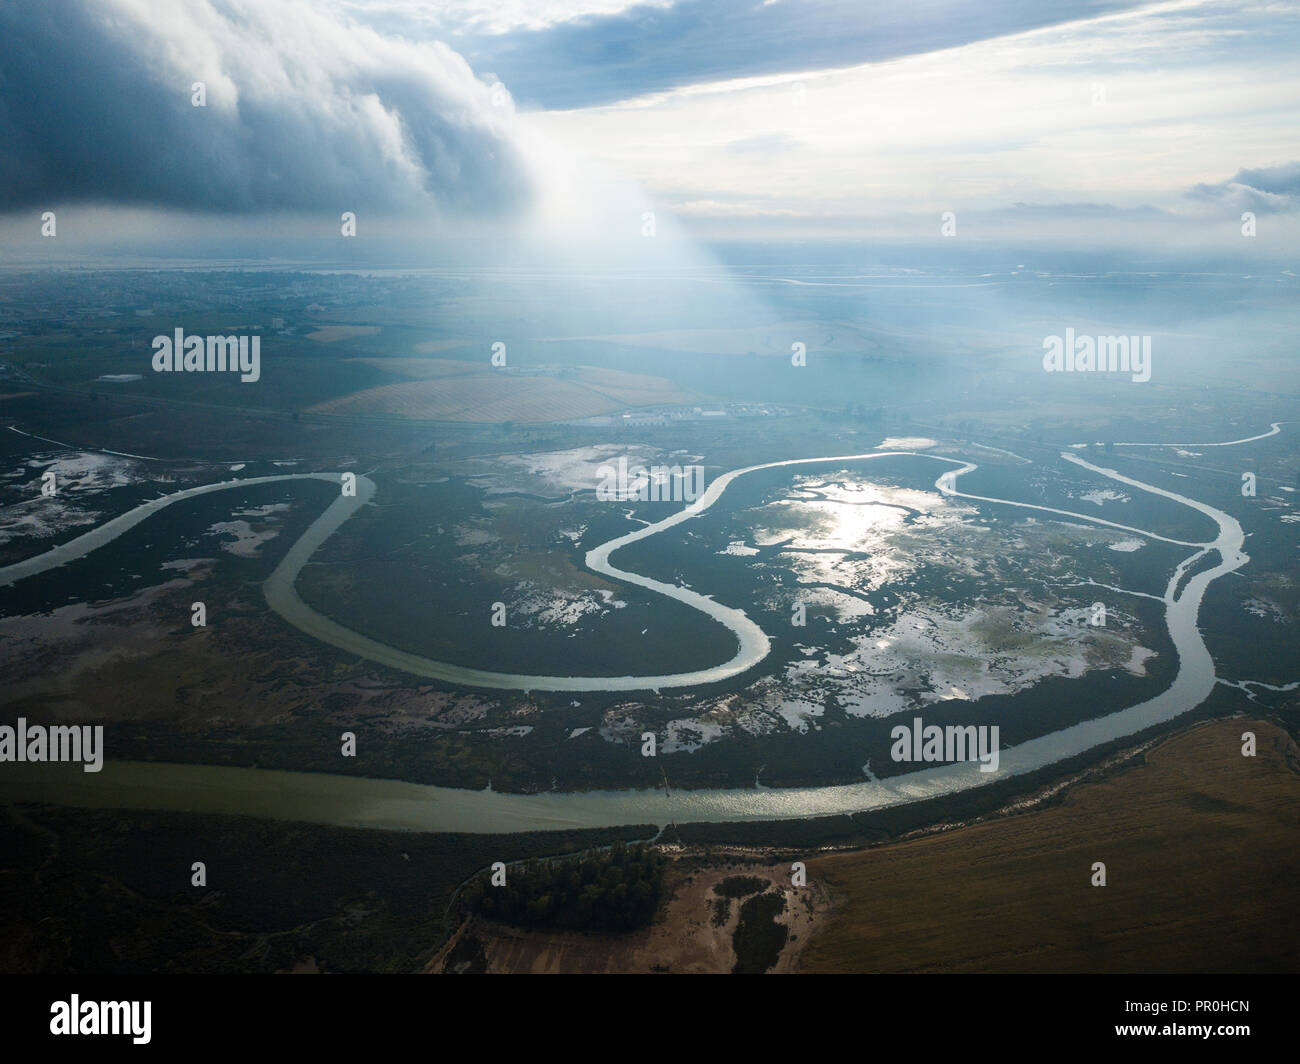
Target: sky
(1085, 122)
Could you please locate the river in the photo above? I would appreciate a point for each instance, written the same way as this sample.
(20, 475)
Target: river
(364, 802)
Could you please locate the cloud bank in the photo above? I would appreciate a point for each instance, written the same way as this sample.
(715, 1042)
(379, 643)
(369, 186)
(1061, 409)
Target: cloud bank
(1269, 189)
(305, 111)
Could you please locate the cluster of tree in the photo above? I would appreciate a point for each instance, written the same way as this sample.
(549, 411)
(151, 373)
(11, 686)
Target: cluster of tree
(739, 886)
(759, 939)
(606, 890)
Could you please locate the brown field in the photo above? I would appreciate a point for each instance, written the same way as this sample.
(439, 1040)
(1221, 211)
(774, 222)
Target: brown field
(826, 337)
(417, 315)
(328, 334)
(430, 347)
(1202, 854)
(685, 939)
(418, 369)
(631, 389)
(453, 392)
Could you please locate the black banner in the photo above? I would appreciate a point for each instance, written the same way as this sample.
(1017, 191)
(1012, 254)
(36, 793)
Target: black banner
(163, 1015)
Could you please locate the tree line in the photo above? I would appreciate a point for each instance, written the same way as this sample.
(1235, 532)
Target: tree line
(617, 889)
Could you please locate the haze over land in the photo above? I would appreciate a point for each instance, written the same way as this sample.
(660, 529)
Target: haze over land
(655, 408)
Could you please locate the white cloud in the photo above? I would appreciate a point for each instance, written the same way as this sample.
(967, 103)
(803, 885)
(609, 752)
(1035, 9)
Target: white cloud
(978, 127)
(488, 16)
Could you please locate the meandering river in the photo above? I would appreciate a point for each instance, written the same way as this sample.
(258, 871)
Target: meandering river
(357, 801)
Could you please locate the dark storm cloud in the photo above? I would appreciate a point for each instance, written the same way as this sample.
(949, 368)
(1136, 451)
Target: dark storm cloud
(303, 112)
